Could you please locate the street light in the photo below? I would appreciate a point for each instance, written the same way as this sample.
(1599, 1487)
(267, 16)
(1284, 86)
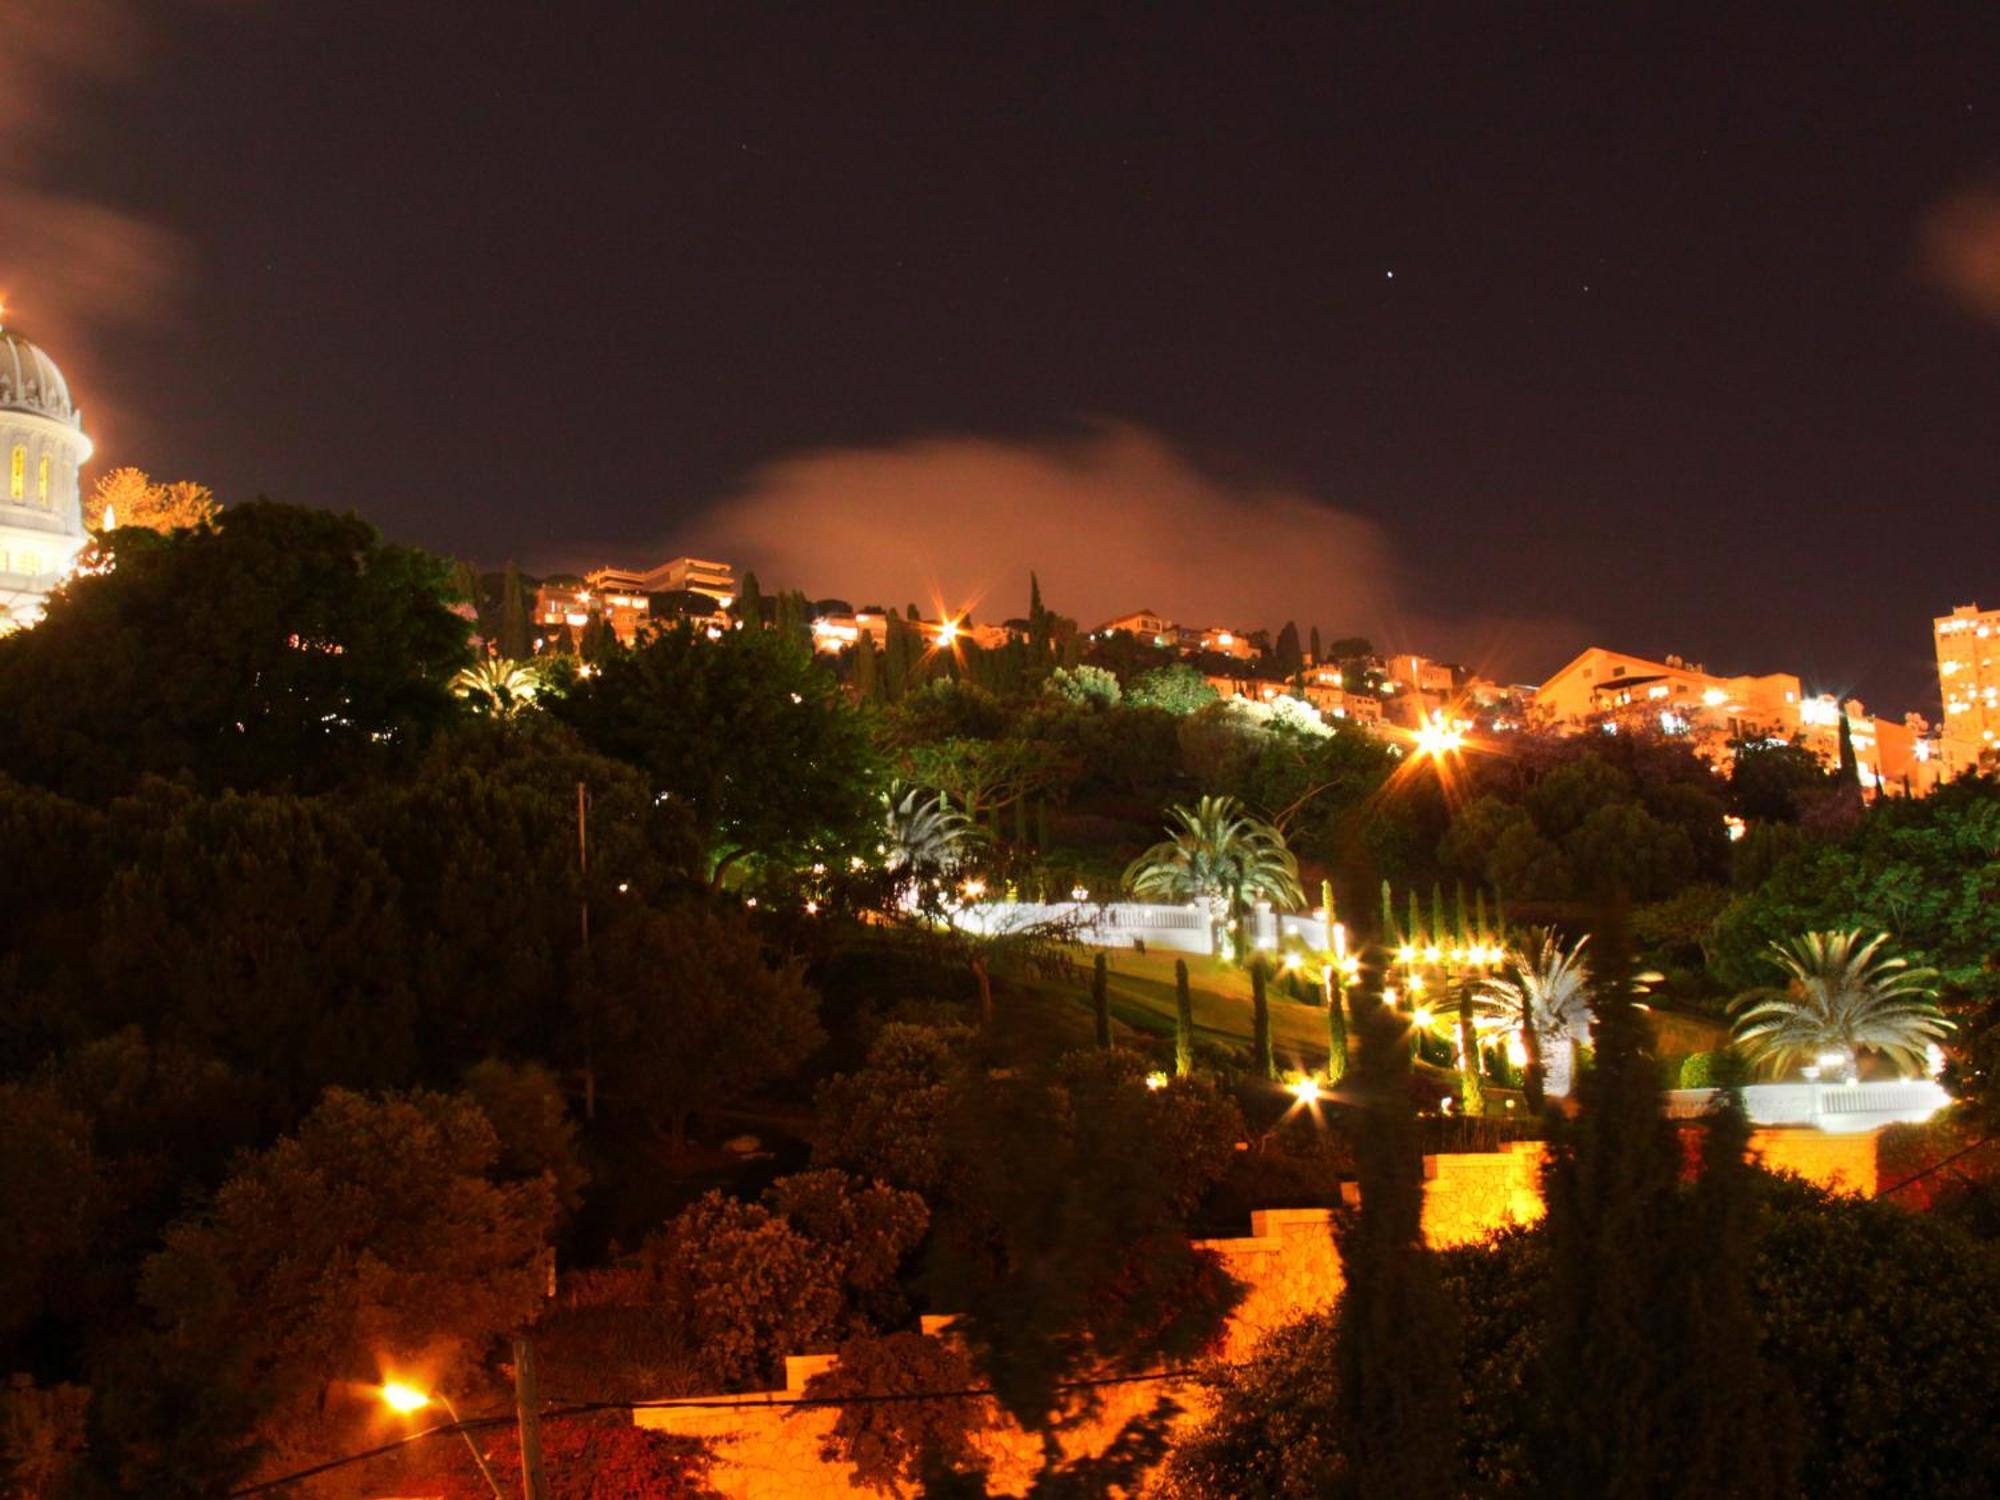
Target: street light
(1436, 738)
(406, 1399)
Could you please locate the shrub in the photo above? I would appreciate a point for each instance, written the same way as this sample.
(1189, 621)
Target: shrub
(1724, 1068)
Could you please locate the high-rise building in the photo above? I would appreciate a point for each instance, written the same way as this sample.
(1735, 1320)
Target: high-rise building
(1968, 658)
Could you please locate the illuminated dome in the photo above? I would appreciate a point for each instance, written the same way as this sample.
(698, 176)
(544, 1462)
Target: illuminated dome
(30, 381)
(42, 447)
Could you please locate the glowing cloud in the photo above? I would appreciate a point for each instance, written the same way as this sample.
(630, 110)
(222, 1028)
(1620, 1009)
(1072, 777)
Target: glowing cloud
(1113, 520)
(1958, 246)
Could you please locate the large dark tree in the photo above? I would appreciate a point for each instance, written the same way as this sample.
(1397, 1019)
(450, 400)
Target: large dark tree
(377, 1237)
(492, 875)
(278, 645)
(262, 930)
(1063, 1241)
(743, 734)
(688, 1014)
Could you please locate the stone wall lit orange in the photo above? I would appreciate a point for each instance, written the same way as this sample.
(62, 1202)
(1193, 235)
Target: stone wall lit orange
(768, 1448)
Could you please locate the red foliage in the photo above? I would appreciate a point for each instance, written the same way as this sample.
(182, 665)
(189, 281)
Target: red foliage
(599, 1456)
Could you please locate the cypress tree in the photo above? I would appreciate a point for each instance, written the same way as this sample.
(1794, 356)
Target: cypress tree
(1260, 1021)
(1389, 935)
(1183, 1021)
(1318, 658)
(1415, 934)
(867, 682)
(516, 643)
(896, 660)
(1038, 626)
(1336, 1026)
(1611, 1339)
(1850, 766)
(1286, 654)
(1100, 1000)
(750, 603)
(1471, 1092)
(599, 640)
(801, 622)
(1397, 1391)
(1485, 934)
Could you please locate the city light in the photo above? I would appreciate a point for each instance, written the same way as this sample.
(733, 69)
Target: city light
(1305, 1090)
(1156, 1081)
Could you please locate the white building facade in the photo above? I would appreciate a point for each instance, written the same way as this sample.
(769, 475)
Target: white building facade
(42, 448)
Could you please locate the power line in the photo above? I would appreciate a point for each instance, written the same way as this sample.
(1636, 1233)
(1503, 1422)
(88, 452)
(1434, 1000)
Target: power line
(719, 1403)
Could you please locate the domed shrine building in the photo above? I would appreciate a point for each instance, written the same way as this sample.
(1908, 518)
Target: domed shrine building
(42, 446)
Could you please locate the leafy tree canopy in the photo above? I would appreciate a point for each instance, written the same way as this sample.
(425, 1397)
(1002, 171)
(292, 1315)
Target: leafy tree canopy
(276, 646)
(1926, 872)
(689, 1013)
(743, 734)
(376, 1237)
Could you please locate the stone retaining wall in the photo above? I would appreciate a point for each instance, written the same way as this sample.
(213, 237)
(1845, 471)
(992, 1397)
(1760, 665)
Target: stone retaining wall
(767, 1448)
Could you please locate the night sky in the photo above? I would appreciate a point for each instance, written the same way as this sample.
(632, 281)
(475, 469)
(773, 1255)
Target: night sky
(1490, 334)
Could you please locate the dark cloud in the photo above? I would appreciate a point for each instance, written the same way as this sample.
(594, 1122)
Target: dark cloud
(1112, 521)
(1958, 247)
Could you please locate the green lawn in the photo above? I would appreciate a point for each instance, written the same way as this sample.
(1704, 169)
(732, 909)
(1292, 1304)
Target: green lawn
(1142, 1002)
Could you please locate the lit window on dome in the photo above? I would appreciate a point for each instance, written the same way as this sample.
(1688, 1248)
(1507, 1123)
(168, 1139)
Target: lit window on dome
(17, 474)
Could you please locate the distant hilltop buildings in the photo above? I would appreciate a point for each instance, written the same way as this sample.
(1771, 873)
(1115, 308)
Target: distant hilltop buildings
(1611, 692)
(1600, 691)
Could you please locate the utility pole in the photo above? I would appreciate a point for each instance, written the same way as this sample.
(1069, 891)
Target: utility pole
(528, 1418)
(583, 915)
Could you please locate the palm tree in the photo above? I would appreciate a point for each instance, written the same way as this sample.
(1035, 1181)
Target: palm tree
(1845, 994)
(495, 685)
(1547, 1003)
(923, 838)
(1219, 857)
